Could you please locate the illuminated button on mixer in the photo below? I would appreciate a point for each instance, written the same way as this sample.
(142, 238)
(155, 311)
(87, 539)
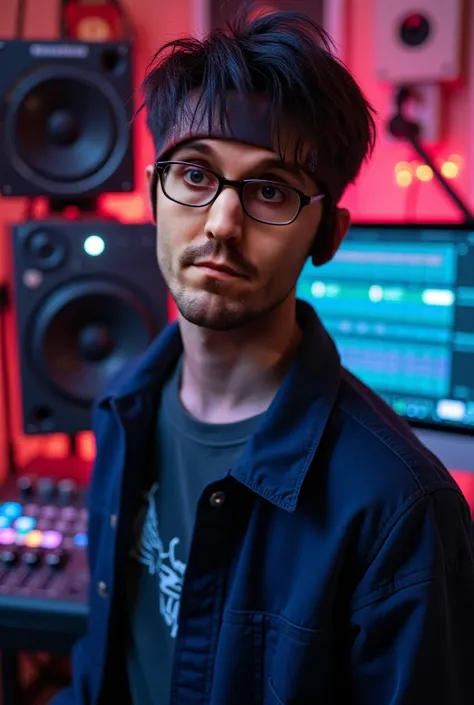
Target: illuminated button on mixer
(33, 539)
(7, 536)
(4, 522)
(61, 526)
(80, 540)
(32, 510)
(69, 514)
(50, 511)
(45, 524)
(24, 524)
(12, 510)
(51, 539)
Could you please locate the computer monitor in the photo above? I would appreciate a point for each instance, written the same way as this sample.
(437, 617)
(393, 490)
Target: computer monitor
(399, 302)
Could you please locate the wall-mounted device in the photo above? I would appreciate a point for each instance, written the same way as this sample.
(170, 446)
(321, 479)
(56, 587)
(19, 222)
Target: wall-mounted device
(417, 42)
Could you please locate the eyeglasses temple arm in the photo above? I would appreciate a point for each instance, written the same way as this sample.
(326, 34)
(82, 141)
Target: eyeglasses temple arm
(313, 199)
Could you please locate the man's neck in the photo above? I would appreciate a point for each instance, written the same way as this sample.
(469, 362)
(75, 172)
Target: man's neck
(229, 376)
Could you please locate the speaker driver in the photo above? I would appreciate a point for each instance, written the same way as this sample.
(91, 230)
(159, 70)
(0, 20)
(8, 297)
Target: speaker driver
(66, 131)
(85, 331)
(45, 249)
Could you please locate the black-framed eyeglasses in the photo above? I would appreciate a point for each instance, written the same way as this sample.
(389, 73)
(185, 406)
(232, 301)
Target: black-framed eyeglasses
(269, 202)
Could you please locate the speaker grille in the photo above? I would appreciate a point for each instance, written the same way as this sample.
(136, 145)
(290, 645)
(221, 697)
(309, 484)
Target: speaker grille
(66, 118)
(84, 332)
(65, 131)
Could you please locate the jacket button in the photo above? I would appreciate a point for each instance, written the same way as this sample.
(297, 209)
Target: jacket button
(217, 498)
(102, 588)
(113, 521)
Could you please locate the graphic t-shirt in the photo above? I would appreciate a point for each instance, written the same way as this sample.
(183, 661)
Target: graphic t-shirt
(189, 454)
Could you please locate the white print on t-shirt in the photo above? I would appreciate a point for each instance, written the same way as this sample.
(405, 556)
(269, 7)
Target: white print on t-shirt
(149, 551)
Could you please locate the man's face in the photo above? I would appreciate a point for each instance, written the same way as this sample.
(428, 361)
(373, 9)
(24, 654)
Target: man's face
(266, 259)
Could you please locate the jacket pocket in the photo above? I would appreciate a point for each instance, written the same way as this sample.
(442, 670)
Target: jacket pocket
(298, 665)
(238, 666)
(262, 659)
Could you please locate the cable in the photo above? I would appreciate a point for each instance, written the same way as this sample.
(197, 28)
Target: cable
(5, 379)
(469, 217)
(72, 443)
(20, 17)
(29, 209)
(401, 127)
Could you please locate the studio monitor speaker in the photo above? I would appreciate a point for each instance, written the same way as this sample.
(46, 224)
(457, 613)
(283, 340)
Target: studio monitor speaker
(417, 42)
(89, 296)
(65, 118)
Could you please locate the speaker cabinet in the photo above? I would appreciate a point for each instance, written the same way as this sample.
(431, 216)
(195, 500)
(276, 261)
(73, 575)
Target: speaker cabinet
(65, 117)
(417, 42)
(89, 297)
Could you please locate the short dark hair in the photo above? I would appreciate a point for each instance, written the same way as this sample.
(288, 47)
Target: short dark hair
(290, 60)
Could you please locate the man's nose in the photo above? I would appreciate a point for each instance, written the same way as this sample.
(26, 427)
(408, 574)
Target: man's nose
(226, 216)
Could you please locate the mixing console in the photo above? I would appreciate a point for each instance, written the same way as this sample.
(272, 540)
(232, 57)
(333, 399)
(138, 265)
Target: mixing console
(43, 548)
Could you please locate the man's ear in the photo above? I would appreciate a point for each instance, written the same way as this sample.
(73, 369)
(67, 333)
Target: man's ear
(331, 235)
(152, 196)
(149, 174)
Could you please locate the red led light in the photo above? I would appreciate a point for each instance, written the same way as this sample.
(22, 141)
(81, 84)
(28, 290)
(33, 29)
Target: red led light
(413, 21)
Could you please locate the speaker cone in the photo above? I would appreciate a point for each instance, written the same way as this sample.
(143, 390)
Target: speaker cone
(45, 248)
(85, 331)
(66, 131)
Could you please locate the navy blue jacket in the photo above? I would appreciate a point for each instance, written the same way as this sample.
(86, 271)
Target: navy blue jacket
(338, 569)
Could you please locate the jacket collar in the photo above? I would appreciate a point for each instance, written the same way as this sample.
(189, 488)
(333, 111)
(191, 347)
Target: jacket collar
(277, 457)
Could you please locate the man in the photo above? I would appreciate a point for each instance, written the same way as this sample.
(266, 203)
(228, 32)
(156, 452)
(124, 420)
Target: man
(263, 529)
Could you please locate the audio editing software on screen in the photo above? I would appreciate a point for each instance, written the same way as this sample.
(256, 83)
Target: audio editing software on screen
(399, 302)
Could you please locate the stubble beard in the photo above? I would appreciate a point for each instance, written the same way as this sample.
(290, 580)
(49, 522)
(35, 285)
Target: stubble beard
(214, 310)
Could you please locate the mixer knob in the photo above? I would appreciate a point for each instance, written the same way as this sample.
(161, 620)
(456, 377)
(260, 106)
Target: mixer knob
(56, 559)
(32, 559)
(46, 488)
(8, 557)
(67, 491)
(25, 486)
